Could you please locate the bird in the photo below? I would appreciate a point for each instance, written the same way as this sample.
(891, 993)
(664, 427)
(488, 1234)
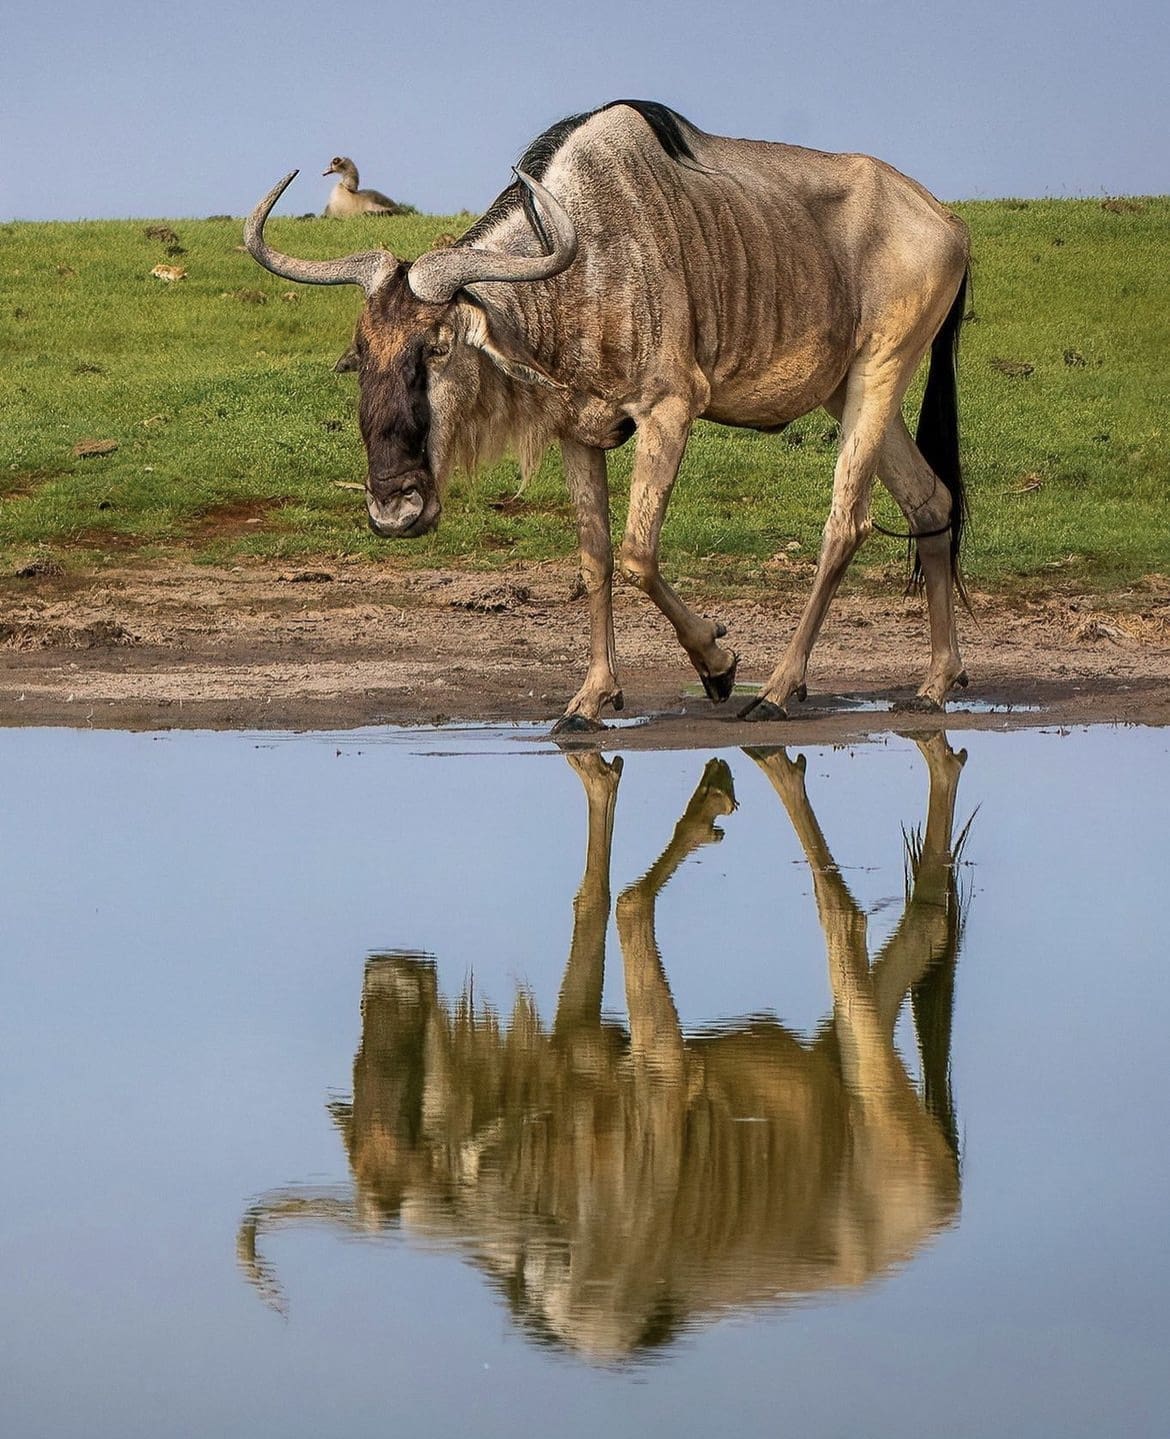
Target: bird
(346, 199)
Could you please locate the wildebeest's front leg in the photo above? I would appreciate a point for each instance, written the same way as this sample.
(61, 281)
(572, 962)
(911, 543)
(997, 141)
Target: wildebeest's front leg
(585, 474)
(662, 438)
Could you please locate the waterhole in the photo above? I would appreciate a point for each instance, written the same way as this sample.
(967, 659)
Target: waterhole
(438, 1082)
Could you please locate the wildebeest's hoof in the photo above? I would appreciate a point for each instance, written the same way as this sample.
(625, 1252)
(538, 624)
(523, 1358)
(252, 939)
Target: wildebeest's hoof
(719, 687)
(760, 710)
(576, 724)
(918, 705)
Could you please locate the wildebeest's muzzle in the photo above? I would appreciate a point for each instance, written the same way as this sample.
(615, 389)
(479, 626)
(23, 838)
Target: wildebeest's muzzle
(403, 506)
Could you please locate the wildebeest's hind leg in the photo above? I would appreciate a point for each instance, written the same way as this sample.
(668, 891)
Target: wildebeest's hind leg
(585, 474)
(866, 403)
(662, 438)
(927, 505)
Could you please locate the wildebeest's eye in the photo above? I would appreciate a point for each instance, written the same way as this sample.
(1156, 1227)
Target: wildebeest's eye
(437, 349)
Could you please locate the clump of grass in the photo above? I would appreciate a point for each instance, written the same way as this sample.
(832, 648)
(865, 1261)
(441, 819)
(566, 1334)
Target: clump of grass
(235, 437)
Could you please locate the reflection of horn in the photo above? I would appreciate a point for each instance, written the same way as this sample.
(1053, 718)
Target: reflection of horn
(277, 1210)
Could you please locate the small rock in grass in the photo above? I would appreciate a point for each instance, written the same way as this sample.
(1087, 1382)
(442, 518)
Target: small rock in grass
(1014, 369)
(94, 449)
(42, 569)
(169, 273)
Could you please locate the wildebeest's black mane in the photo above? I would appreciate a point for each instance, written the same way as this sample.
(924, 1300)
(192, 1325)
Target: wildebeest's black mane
(670, 129)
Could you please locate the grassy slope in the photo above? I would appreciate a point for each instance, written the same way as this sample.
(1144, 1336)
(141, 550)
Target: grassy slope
(233, 431)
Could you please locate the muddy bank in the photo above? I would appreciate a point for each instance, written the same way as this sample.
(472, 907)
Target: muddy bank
(338, 646)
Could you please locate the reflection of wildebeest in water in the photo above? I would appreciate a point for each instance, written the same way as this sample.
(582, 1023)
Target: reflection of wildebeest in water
(620, 1184)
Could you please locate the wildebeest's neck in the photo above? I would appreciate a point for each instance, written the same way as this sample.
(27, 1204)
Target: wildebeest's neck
(500, 415)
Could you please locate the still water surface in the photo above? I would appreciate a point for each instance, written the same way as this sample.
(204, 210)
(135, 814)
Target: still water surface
(441, 1083)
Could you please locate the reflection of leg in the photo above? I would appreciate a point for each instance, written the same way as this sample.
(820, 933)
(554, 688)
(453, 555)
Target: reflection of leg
(928, 931)
(932, 995)
(868, 1058)
(579, 1005)
(835, 905)
(654, 1028)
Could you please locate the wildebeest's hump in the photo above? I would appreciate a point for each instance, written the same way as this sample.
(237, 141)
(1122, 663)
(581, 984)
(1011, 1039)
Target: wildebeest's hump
(669, 127)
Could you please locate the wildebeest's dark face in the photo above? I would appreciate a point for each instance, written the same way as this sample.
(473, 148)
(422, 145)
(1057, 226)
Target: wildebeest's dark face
(422, 342)
(400, 340)
(419, 367)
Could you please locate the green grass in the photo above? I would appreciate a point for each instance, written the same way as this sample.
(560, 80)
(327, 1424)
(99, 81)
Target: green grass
(235, 436)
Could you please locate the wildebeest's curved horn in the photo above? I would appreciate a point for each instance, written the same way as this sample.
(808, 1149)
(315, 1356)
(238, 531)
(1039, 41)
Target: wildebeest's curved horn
(366, 269)
(437, 275)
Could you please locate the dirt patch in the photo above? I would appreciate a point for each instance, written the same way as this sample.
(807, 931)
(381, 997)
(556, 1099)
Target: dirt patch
(105, 542)
(193, 646)
(101, 634)
(18, 485)
(231, 519)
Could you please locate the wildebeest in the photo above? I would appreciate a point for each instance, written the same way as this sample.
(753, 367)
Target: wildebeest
(619, 1184)
(640, 274)
(345, 199)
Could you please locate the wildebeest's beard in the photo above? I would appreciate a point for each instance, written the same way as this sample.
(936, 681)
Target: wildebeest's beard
(402, 494)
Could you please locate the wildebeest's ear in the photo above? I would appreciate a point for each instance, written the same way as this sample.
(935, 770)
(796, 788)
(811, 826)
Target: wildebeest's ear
(497, 339)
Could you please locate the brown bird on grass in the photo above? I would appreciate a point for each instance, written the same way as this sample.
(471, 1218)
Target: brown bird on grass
(346, 199)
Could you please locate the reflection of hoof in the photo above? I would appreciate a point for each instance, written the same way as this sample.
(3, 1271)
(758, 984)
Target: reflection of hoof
(576, 724)
(918, 705)
(761, 710)
(719, 687)
(936, 748)
(594, 769)
(775, 756)
(717, 787)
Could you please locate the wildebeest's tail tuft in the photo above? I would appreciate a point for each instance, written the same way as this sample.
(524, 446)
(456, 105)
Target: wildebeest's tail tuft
(937, 436)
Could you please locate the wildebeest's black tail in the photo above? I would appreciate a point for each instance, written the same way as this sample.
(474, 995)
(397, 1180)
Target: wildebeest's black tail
(938, 427)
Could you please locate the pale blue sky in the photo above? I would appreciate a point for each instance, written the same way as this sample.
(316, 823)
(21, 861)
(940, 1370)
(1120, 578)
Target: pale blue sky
(167, 109)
